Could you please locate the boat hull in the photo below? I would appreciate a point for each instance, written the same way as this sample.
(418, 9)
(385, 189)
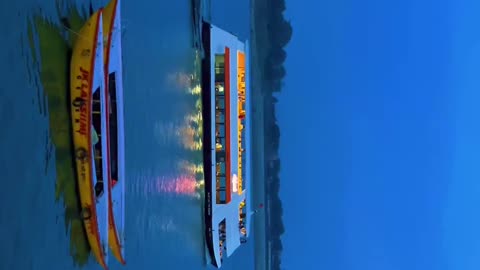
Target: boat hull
(85, 79)
(114, 90)
(207, 145)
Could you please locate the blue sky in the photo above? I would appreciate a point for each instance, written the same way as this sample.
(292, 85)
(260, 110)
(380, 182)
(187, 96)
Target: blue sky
(380, 146)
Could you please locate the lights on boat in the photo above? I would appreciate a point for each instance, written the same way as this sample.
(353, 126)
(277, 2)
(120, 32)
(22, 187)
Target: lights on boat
(234, 183)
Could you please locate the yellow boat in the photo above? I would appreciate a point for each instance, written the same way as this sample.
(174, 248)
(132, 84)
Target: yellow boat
(115, 119)
(87, 93)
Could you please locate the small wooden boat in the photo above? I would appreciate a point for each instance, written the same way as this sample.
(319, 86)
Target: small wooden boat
(88, 112)
(115, 119)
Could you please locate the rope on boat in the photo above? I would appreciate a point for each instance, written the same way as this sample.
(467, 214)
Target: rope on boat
(86, 38)
(76, 33)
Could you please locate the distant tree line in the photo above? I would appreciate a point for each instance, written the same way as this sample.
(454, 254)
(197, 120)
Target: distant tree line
(279, 34)
(272, 169)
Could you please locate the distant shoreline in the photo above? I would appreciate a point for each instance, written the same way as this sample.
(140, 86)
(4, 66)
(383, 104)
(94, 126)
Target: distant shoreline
(257, 54)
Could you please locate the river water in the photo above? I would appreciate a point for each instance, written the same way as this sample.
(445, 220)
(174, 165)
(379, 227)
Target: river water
(39, 227)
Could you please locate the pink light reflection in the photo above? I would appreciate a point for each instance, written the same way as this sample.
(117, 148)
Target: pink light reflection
(180, 185)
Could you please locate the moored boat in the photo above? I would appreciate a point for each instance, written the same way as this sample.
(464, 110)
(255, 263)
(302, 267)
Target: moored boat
(88, 112)
(226, 151)
(115, 119)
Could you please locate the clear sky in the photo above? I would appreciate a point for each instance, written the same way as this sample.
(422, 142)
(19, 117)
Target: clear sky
(380, 135)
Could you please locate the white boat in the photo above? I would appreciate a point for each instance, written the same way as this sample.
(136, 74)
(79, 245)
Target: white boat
(226, 143)
(113, 72)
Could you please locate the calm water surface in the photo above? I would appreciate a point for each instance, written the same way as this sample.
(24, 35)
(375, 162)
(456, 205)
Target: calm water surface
(164, 224)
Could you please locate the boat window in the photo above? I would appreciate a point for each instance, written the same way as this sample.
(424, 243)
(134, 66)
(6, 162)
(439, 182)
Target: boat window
(112, 84)
(221, 182)
(219, 117)
(97, 147)
(113, 127)
(221, 179)
(220, 103)
(220, 67)
(220, 122)
(220, 131)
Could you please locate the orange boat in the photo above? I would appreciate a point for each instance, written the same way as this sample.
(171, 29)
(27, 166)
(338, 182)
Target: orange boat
(88, 112)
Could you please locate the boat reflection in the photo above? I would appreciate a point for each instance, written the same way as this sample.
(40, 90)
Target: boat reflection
(50, 46)
(190, 180)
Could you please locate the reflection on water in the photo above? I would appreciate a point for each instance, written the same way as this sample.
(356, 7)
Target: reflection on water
(51, 52)
(191, 168)
(182, 184)
(179, 185)
(186, 132)
(170, 207)
(164, 209)
(148, 184)
(174, 190)
(192, 131)
(181, 80)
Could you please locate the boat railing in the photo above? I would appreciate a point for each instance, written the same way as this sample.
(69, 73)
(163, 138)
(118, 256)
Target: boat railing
(222, 237)
(242, 218)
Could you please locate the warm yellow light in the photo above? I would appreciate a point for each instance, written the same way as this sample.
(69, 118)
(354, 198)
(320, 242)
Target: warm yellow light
(241, 113)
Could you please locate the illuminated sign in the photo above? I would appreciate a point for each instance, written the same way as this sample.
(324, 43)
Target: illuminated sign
(235, 183)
